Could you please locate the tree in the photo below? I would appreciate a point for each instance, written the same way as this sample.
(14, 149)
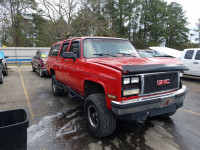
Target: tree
(198, 30)
(176, 30)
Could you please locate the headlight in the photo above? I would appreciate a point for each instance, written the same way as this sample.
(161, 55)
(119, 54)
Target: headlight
(131, 92)
(135, 80)
(130, 86)
(126, 81)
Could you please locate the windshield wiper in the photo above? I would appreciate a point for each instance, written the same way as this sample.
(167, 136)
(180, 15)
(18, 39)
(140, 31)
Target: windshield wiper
(165, 56)
(126, 54)
(103, 54)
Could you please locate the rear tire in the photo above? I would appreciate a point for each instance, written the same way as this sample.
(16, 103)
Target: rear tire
(40, 72)
(1, 80)
(100, 120)
(55, 89)
(33, 69)
(5, 72)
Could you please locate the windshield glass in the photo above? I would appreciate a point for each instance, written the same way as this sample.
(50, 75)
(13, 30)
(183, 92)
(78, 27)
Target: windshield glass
(44, 54)
(108, 48)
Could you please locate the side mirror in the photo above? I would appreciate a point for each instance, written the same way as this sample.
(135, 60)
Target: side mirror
(70, 55)
(6, 57)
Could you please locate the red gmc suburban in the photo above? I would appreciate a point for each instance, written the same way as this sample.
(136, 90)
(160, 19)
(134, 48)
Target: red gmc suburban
(115, 81)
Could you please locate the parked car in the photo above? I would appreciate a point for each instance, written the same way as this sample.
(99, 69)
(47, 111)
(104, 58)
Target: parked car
(38, 62)
(4, 64)
(155, 53)
(191, 59)
(167, 51)
(144, 54)
(1, 72)
(115, 81)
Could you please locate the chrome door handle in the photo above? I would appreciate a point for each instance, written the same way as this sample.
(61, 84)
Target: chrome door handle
(195, 63)
(66, 60)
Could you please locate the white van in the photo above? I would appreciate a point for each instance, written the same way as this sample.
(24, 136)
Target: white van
(191, 59)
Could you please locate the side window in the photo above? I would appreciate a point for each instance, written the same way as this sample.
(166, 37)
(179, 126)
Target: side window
(64, 48)
(54, 50)
(189, 54)
(75, 47)
(197, 57)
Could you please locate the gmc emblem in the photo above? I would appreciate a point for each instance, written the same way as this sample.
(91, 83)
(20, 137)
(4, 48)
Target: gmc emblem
(163, 82)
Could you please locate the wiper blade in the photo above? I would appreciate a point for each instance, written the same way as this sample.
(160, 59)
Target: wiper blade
(103, 54)
(165, 56)
(126, 54)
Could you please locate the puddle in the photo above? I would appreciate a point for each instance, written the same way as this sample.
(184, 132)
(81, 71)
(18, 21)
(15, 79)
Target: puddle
(67, 130)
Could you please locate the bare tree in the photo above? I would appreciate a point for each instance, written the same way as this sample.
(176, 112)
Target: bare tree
(61, 13)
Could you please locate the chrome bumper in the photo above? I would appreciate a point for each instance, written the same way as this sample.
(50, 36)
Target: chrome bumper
(149, 102)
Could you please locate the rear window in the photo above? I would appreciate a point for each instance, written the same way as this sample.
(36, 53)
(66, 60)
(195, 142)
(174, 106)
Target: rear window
(197, 57)
(189, 54)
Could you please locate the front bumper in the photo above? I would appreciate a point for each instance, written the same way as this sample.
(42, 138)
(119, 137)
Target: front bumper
(151, 105)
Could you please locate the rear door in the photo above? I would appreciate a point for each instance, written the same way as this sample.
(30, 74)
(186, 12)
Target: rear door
(61, 69)
(53, 59)
(196, 64)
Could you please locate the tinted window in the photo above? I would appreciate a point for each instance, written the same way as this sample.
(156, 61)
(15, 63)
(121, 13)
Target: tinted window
(54, 50)
(197, 57)
(189, 54)
(64, 48)
(75, 48)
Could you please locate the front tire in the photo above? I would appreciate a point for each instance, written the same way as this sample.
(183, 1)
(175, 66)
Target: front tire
(167, 115)
(55, 89)
(1, 80)
(100, 120)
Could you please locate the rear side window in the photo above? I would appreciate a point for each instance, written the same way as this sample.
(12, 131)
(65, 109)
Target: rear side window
(197, 57)
(64, 48)
(54, 50)
(75, 48)
(189, 54)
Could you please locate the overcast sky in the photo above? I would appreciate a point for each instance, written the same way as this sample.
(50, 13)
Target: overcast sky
(192, 8)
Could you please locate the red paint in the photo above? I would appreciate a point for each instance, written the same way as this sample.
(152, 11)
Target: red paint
(104, 71)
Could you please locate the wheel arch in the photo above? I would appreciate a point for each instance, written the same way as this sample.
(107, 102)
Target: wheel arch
(92, 87)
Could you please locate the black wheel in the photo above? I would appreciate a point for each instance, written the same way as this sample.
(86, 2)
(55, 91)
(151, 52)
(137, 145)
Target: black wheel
(33, 69)
(100, 120)
(1, 79)
(167, 115)
(55, 89)
(5, 72)
(40, 72)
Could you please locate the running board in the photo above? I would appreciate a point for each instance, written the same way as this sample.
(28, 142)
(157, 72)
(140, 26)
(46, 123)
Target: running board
(71, 93)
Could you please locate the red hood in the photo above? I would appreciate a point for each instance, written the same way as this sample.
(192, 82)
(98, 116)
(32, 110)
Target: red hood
(118, 62)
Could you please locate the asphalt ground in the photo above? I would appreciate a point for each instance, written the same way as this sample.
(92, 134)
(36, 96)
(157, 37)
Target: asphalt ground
(57, 123)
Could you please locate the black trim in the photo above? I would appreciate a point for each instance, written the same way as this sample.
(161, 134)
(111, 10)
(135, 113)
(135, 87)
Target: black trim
(72, 93)
(143, 103)
(153, 68)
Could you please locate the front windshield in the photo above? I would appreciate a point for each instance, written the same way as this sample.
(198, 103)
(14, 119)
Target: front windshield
(108, 48)
(44, 54)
